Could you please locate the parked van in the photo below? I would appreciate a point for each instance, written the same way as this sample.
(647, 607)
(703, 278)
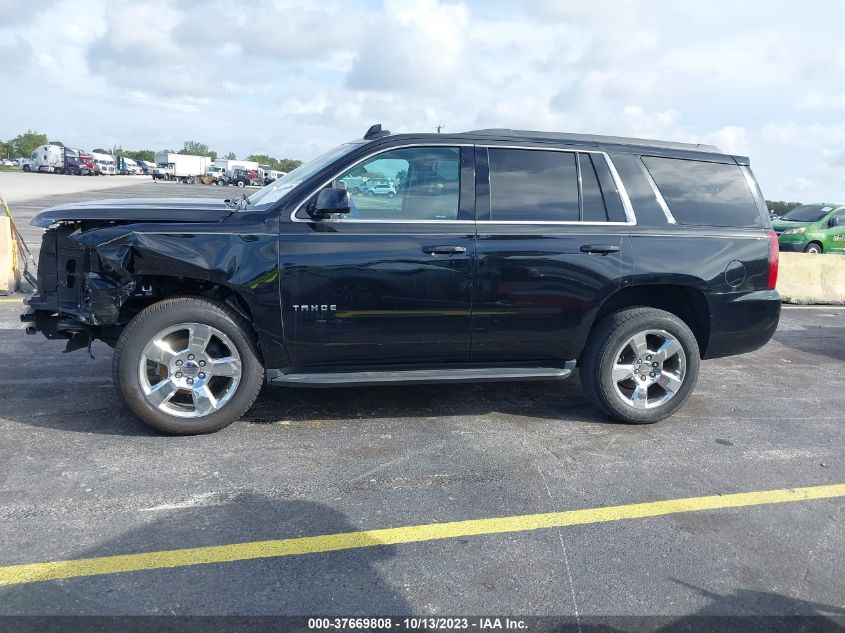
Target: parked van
(812, 228)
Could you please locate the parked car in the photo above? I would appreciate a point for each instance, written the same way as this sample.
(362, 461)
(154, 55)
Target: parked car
(632, 260)
(7, 162)
(813, 228)
(381, 190)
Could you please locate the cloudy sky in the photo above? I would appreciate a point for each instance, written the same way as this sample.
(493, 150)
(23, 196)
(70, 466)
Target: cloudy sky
(291, 79)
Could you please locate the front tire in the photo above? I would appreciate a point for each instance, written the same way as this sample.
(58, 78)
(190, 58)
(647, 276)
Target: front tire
(813, 249)
(640, 365)
(187, 366)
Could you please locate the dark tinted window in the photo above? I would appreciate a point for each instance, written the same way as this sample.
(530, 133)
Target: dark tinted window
(533, 185)
(702, 193)
(808, 213)
(615, 210)
(593, 202)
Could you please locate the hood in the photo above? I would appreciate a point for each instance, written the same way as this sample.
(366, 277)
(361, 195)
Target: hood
(137, 210)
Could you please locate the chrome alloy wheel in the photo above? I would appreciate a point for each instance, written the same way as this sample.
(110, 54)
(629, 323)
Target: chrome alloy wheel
(650, 369)
(189, 370)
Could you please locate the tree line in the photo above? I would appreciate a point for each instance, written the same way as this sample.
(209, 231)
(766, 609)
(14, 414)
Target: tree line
(24, 144)
(780, 207)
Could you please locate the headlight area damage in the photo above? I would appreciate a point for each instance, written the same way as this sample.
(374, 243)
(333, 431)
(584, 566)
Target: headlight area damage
(93, 278)
(82, 285)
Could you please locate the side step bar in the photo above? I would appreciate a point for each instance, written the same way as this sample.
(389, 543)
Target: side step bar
(421, 376)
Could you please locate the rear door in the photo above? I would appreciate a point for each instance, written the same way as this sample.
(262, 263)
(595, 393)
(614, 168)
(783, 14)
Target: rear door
(551, 225)
(390, 282)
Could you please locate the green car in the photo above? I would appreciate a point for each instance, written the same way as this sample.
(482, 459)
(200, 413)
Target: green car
(812, 228)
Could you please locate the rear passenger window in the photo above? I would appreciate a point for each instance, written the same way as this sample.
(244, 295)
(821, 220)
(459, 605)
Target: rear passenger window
(702, 193)
(592, 200)
(533, 185)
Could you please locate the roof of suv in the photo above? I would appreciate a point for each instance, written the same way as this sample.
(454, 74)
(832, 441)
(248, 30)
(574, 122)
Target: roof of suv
(552, 137)
(588, 138)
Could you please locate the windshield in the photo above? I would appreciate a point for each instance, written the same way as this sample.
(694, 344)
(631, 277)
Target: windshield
(268, 195)
(808, 213)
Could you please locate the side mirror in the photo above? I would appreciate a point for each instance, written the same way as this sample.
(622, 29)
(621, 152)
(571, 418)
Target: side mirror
(332, 200)
(834, 221)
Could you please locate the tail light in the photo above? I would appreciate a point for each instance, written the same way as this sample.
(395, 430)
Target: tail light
(774, 255)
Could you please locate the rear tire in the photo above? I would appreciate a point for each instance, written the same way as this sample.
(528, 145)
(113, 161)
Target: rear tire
(621, 351)
(813, 249)
(227, 351)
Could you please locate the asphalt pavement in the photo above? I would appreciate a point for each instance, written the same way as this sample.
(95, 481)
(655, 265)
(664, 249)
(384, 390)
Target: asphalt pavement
(81, 478)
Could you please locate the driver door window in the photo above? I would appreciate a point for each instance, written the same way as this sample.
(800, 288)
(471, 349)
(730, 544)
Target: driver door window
(410, 184)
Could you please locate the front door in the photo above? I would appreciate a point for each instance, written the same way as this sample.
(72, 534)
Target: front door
(390, 282)
(837, 232)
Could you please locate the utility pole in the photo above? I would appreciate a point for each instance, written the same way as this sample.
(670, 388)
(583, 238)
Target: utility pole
(440, 127)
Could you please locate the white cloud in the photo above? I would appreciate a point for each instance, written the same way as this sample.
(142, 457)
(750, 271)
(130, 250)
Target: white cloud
(813, 135)
(288, 77)
(818, 99)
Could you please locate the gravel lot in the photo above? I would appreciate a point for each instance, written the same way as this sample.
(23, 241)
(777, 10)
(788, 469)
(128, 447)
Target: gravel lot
(81, 478)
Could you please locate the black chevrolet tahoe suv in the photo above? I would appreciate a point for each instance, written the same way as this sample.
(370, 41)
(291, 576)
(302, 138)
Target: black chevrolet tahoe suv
(504, 255)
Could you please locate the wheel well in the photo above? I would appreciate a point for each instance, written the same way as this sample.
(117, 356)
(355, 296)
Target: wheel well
(685, 302)
(155, 288)
(817, 243)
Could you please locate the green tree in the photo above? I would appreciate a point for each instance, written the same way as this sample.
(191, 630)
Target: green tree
(100, 150)
(24, 144)
(780, 207)
(230, 156)
(264, 159)
(197, 149)
(284, 164)
(288, 164)
(141, 154)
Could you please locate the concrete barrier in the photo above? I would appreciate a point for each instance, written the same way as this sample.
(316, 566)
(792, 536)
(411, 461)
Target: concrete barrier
(804, 278)
(9, 273)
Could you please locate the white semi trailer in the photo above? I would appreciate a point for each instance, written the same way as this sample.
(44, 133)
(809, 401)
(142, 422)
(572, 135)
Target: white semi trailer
(183, 167)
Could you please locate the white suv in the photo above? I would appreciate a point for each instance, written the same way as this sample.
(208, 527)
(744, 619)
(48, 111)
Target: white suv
(381, 190)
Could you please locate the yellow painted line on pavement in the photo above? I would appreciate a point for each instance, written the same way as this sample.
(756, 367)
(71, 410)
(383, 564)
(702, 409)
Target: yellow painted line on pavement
(167, 559)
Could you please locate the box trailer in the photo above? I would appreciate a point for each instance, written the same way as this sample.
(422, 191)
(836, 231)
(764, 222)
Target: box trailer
(184, 167)
(230, 165)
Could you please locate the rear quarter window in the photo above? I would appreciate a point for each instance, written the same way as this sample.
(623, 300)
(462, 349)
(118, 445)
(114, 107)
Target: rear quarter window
(704, 193)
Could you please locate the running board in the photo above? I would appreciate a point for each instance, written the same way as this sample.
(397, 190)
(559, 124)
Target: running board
(420, 376)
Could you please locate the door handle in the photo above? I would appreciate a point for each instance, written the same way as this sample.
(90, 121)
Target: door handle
(444, 250)
(600, 249)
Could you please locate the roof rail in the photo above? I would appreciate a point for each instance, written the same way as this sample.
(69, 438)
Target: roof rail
(595, 138)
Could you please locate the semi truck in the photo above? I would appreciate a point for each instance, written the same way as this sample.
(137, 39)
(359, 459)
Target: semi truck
(104, 163)
(182, 167)
(56, 159)
(129, 166)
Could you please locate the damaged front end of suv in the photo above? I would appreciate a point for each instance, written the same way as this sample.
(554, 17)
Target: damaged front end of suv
(101, 263)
